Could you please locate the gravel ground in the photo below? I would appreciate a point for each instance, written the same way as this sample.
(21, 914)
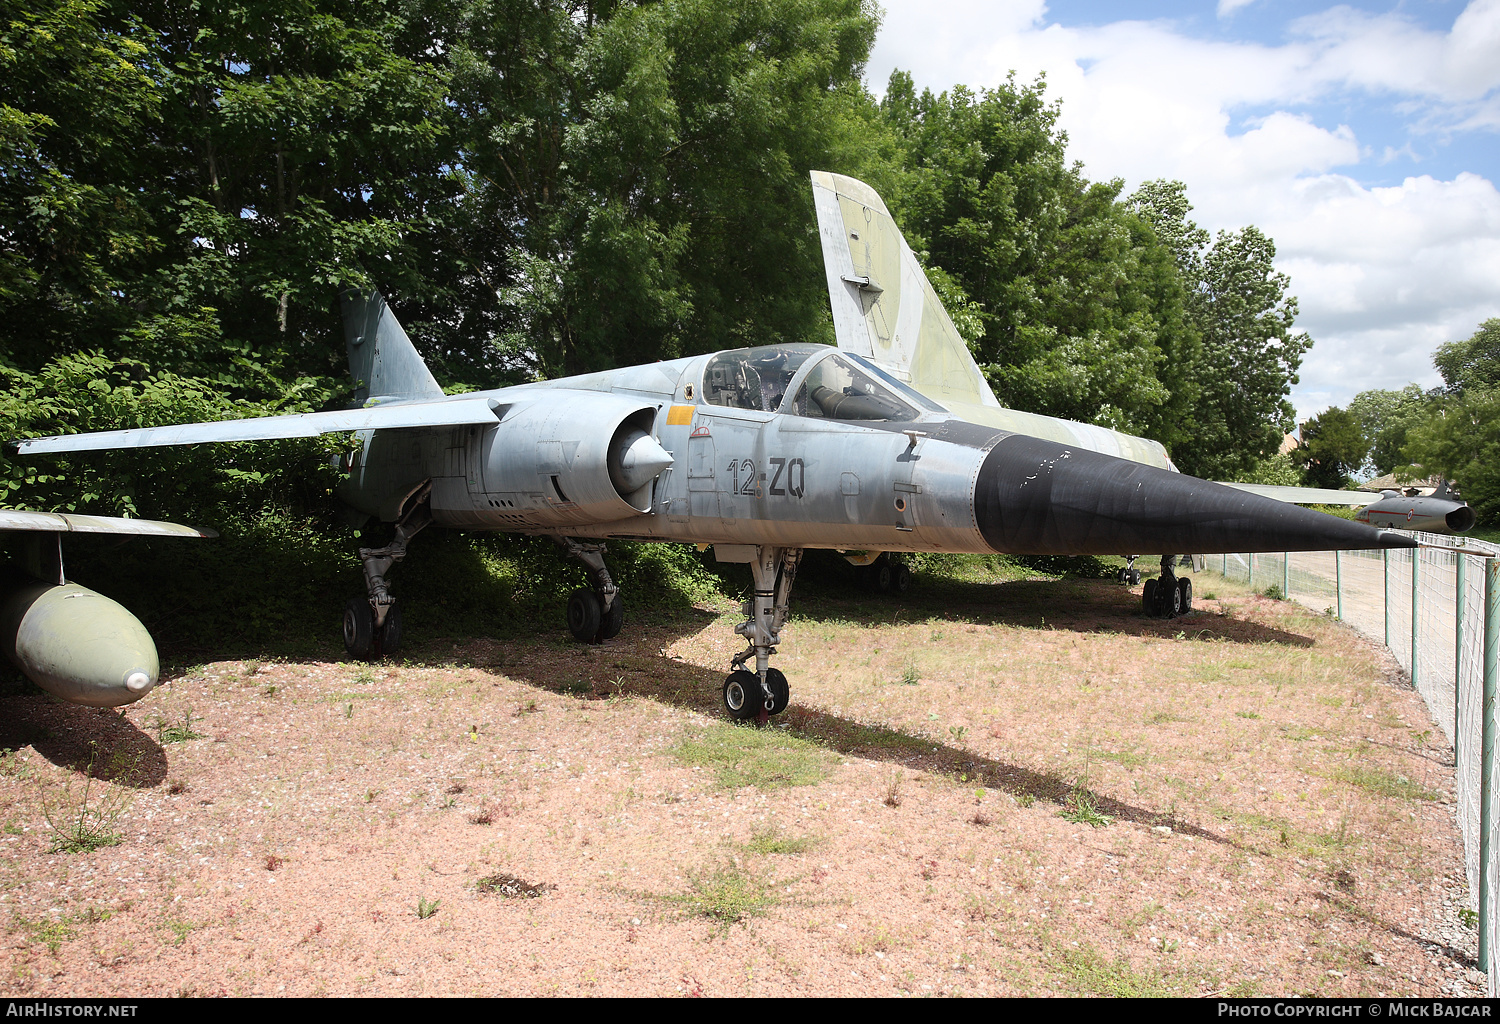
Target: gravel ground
(1017, 789)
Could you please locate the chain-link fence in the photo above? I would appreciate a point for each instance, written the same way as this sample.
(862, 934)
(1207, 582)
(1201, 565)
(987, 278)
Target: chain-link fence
(1428, 606)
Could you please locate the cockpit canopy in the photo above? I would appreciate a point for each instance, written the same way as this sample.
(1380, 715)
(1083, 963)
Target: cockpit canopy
(824, 383)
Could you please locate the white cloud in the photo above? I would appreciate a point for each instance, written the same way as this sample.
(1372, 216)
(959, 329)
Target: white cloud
(1383, 275)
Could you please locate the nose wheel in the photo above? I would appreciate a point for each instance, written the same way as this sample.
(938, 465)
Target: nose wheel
(746, 698)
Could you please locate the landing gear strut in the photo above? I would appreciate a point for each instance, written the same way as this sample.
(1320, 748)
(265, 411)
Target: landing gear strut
(372, 624)
(764, 692)
(1168, 596)
(594, 615)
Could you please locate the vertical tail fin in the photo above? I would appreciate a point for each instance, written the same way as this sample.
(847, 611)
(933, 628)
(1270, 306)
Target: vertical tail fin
(884, 308)
(381, 356)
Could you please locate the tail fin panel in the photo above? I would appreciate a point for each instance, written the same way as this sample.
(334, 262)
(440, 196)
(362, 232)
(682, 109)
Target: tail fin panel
(883, 305)
(381, 356)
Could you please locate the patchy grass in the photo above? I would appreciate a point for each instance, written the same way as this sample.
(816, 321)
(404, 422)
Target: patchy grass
(1383, 783)
(1086, 971)
(727, 895)
(766, 758)
(772, 840)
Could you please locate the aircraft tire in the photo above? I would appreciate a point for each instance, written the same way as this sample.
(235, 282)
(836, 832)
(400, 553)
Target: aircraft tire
(1172, 601)
(883, 575)
(612, 621)
(359, 628)
(1148, 599)
(390, 633)
(583, 616)
(1134, 576)
(742, 695)
(781, 691)
(900, 581)
(1185, 590)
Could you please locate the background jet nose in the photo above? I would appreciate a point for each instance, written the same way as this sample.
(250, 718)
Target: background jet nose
(1040, 497)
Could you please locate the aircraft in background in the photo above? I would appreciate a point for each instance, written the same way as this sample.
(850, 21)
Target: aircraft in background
(761, 453)
(1442, 511)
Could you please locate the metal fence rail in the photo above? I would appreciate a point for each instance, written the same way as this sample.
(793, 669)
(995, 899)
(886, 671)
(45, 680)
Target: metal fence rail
(1438, 610)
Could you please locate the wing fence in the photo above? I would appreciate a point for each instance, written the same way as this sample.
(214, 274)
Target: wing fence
(1430, 606)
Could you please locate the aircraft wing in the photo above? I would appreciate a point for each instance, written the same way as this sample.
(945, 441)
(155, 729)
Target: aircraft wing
(68, 522)
(449, 412)
(1309, 495)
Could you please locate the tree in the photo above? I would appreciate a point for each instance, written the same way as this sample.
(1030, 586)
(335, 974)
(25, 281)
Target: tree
(1240, 357)
(1333, 447)
(1386, 417)
(1474, 364)
(1067, 280)
(1460, 437)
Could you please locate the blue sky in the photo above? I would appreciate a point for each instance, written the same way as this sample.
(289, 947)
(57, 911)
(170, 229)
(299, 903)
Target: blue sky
(1363, 137)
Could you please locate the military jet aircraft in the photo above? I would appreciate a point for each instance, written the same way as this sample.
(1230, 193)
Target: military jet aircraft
(761, 453)
(1442, 511)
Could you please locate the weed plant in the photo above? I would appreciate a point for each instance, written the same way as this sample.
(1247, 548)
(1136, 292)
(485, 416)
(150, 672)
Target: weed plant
(84, 821)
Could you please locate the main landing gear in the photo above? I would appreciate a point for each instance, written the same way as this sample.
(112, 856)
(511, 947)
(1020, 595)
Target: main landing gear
(888, 575)
(372, 624)
(764, 692)
(597, 614)
(1129, 575)
(1169, 595)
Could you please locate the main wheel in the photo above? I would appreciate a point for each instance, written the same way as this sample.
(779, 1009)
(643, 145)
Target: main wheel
(781, 693)
(1185, 589)
(1148, 599)
(900, 581)
(390, 633)
(1173, 594)
(883, 575)
(583, 616)
(611, 621)
(359, 628)
(742, 697)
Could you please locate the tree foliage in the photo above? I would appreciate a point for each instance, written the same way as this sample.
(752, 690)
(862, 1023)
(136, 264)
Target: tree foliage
(546, 187)
(1333, 448)
(1460, 435)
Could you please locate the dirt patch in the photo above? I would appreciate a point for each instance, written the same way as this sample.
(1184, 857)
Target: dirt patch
(1023, 788)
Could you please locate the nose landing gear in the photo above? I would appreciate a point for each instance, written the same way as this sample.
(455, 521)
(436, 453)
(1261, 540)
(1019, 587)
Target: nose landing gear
(764, 692)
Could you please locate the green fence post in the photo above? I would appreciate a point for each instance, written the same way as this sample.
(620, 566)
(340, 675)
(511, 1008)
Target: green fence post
(1487, 750)
(1458, 647)
(1386, 598)
(1250, 570)
(1286, 575)
(1338, 582)
(1416, 575)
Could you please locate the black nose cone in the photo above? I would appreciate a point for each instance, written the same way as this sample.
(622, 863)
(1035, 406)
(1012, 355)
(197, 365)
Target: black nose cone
(1040, 497)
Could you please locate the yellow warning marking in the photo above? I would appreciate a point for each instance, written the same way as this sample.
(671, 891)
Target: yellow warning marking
(679, 415)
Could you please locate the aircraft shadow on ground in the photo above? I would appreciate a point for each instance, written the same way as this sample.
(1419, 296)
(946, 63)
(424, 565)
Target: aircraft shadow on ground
(612, 673)
(99, 741)
(607, 672)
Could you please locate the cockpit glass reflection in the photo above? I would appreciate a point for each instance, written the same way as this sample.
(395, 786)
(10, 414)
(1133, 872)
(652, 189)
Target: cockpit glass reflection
(754, 378)
(840, 389)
